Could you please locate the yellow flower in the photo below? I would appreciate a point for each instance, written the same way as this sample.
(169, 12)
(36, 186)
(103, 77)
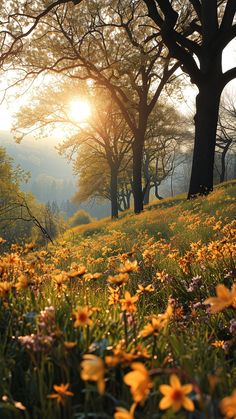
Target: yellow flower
(119, 279)
(82, 317)
(22, 282)
(162, 276)
(90, 277)
(151, 328)
(139, 382)
(120, 356)
(70, 345)
(218, 343)
(114, 295)
(5, 288)
(175, 395)
(122, 413)
(225, 298)
(142, 289)
(128, 303)
(77, 270)
(228, 406)
(93, 370)
(61, 392)
(60, 279)
(129, 267)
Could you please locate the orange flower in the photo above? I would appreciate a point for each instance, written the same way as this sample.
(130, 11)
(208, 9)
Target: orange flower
(142, 289)
(82, 317)
(60, 279)
(90, 277)
(77, 270)
(120, 356)
(175, 395)
(224, 299)
(61, 393)
(122, 413)
(218, 343)
(162, 276)
(139, 382)
(5, 288)
(152, 328)
(129, 267)
(119, 279)
(70, 345)
(22, 282)
(228, 406)
(92, 369)
(114, 295)
(128, 303)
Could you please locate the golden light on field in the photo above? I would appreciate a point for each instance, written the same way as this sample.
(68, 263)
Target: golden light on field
(79, 110)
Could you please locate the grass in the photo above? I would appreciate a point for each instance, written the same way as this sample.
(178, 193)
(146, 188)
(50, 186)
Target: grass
(130, 294)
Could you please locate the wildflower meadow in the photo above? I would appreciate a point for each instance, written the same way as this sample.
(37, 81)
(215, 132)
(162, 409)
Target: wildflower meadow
(133, 318)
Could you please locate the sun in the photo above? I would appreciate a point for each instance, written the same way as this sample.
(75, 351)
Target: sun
(79, 110)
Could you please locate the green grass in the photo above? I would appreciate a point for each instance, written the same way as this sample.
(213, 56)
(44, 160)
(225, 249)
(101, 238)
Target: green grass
(183, 250)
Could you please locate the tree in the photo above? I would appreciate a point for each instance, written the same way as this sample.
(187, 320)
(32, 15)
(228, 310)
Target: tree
(166, 131)
(105, 131)
(111, 43)
(19, 212)
(226, 133)
(197, 43)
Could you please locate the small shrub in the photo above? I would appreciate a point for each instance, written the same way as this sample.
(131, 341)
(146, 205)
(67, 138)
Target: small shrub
(79, 218)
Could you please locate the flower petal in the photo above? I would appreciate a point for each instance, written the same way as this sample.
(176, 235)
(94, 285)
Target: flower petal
(165, 389)
(174, 381)
(165, 403)
(187, 388)
(188, 404)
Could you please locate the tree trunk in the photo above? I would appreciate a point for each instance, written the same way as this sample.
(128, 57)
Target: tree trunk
(137, 176)
(156, 191)
(206, 118)
(146, 193)
(113, 192)
(223, 165)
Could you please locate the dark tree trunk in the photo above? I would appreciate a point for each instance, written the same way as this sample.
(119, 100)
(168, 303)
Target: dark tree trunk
(114, 192)
(146, 193)
(206, 118)
(146, 175)
(137, 176)
(156, 191)
(223, 165)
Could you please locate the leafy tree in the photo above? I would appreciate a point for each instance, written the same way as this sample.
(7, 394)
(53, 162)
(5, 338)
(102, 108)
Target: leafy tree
(106, 131)
(113, 44)
(20, 214)
(196, 33)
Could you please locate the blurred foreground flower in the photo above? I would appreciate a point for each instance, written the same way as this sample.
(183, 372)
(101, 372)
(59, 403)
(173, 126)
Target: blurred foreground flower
(175, 395)
(122, 413)
(92, 369)
(139, 382)
(61, 393)
(228, 406)
(224, 299)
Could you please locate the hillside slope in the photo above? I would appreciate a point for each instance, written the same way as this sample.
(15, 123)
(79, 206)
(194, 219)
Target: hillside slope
(126, 319)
